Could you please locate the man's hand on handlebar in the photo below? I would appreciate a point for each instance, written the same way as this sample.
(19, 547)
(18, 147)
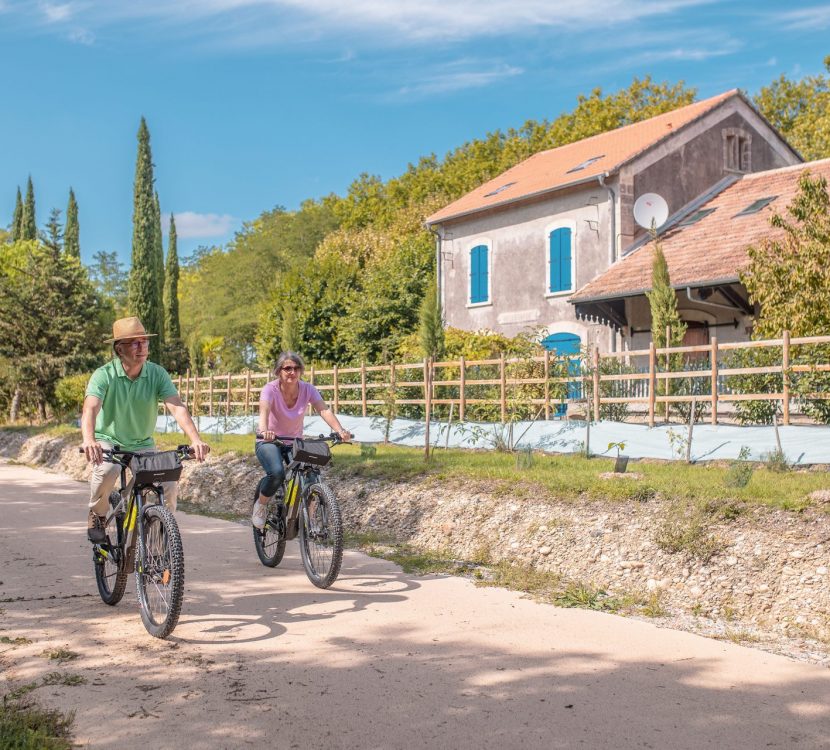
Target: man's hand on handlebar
(200, 450)
(93, 451)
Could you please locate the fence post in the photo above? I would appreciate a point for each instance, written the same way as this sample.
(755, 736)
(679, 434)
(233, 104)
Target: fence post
(195, 409)
(462, 407)
(427, 404)
(363, 387)
(503, 378)
(228, 398)
(334, 381)
(393, 401)
(785, 366)
(210, 394)
(595, 376)
(547, 385)
(668, 381)
(187, 388)
(652, 382)
(714, 356)
(247, 393)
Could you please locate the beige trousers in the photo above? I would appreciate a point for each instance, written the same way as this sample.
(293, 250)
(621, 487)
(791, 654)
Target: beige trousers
(104, 479)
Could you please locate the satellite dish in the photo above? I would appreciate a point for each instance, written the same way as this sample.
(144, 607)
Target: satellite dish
(650, 207)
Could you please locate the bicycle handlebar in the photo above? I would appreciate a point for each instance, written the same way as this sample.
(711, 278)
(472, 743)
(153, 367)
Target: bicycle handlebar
(331, 437)
(112, 454)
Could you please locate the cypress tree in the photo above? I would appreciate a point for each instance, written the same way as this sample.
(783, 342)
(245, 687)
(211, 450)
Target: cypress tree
(172, 329)
(143, 288)
(158, 256)
(17, 219)
(28, 225)
(431, 329)
(72, 230)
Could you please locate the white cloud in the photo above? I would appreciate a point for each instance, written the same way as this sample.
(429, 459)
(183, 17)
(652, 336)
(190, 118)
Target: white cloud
(382, 22)
(190, 224)
(817, 17)
(442, 83)
(82, 36)
(56, 13)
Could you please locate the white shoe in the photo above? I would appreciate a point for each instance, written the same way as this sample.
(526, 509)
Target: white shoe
(259, 514)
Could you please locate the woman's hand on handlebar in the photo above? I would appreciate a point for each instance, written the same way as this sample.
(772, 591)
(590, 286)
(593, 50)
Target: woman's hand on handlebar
(344, 435)
(267, 434)
(93, 451)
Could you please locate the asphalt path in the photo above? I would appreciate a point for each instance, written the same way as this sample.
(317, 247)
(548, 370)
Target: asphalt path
(383, 659)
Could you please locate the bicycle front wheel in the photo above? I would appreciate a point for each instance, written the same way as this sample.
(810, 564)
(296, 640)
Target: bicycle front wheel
(159, 574)
(321, 535)
(270, 541)
(108, 560)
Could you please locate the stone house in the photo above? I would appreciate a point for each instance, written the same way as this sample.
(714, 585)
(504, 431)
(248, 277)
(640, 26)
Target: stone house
(520, 251)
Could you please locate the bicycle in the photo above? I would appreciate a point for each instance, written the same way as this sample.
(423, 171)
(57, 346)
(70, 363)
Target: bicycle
(136, 519)
(310, 510)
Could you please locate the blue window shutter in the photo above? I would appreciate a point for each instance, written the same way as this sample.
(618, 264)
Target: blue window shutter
(560, 260)
(478, 274)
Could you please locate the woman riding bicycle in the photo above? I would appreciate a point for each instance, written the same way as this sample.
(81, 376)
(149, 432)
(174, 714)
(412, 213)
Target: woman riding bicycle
(282, 406)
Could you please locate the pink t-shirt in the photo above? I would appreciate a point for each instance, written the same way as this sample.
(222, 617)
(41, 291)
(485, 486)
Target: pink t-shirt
(282, 420)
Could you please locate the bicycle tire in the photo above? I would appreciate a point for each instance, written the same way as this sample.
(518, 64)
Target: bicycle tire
(270, 541)
(159, 576)
(321, 535)
(110, 567)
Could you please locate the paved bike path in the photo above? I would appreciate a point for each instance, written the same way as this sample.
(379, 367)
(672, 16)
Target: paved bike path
(382, 660)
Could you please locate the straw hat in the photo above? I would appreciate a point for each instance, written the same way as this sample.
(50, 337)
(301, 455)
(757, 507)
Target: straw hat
(127, 328)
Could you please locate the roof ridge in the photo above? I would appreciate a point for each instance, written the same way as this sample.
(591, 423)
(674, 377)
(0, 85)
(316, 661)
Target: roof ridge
(712, 101)
(789, 168)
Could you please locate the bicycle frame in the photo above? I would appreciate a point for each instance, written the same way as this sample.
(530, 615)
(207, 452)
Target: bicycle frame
(133, 520)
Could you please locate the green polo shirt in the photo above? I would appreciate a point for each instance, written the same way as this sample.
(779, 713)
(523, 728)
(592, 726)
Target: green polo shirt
(129, 407)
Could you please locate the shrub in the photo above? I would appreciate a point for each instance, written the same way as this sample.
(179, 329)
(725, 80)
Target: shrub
(69, 394)
(740, 471)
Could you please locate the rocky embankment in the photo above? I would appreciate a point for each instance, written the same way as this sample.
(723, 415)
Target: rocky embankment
(762, 580)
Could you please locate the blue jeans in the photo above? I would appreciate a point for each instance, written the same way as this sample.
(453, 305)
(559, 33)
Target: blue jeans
(270, 455)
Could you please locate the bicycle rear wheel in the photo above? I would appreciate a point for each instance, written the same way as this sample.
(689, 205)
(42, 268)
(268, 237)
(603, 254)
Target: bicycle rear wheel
(108, 560)
(270, 541)
(321, 535)
(159, 576)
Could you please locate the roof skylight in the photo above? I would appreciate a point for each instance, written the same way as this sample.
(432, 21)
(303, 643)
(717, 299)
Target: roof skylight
(499, 189)
(697, 216)
(584, 164)
(754, 208)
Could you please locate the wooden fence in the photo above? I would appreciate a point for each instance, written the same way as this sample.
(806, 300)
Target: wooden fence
(646, 380)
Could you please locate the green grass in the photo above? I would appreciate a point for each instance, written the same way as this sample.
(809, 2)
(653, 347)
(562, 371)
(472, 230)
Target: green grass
(24, 725)
(560, 477)
(60, 655)
(18, 641)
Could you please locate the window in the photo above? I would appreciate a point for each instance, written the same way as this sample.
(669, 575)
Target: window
(560, 258)
(756, 206)
(697, 216)
(736, 150)
(479, 275)
(499, 189)
(586, 163)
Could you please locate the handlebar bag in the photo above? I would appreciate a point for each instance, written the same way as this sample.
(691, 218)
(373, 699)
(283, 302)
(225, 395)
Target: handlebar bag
(152, 468)
(314, 452)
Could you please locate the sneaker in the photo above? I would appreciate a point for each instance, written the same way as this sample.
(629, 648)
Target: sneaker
(259, 515)
(95, 528)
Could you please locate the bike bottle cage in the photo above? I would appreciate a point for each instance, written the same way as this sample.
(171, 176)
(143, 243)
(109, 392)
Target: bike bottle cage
(314, 452)
(152, 468)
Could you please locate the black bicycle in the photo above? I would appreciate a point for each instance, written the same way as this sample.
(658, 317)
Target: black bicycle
(307, 507)
(138, 518)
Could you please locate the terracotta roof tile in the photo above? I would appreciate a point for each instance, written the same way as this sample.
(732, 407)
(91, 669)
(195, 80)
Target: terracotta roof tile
(714, 248)
(553, 169)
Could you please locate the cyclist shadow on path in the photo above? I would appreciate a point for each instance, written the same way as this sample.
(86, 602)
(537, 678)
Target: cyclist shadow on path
(211, 618)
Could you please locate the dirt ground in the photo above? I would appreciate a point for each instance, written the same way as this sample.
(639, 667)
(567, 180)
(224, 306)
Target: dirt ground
(382, 660)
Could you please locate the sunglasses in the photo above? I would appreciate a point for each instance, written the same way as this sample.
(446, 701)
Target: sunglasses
(289, 368)
(136, 343)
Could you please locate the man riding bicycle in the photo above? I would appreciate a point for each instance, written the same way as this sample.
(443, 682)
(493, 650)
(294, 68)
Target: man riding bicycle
(120, 408)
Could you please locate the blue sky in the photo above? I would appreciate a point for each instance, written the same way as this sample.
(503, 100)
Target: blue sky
(257, 103)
